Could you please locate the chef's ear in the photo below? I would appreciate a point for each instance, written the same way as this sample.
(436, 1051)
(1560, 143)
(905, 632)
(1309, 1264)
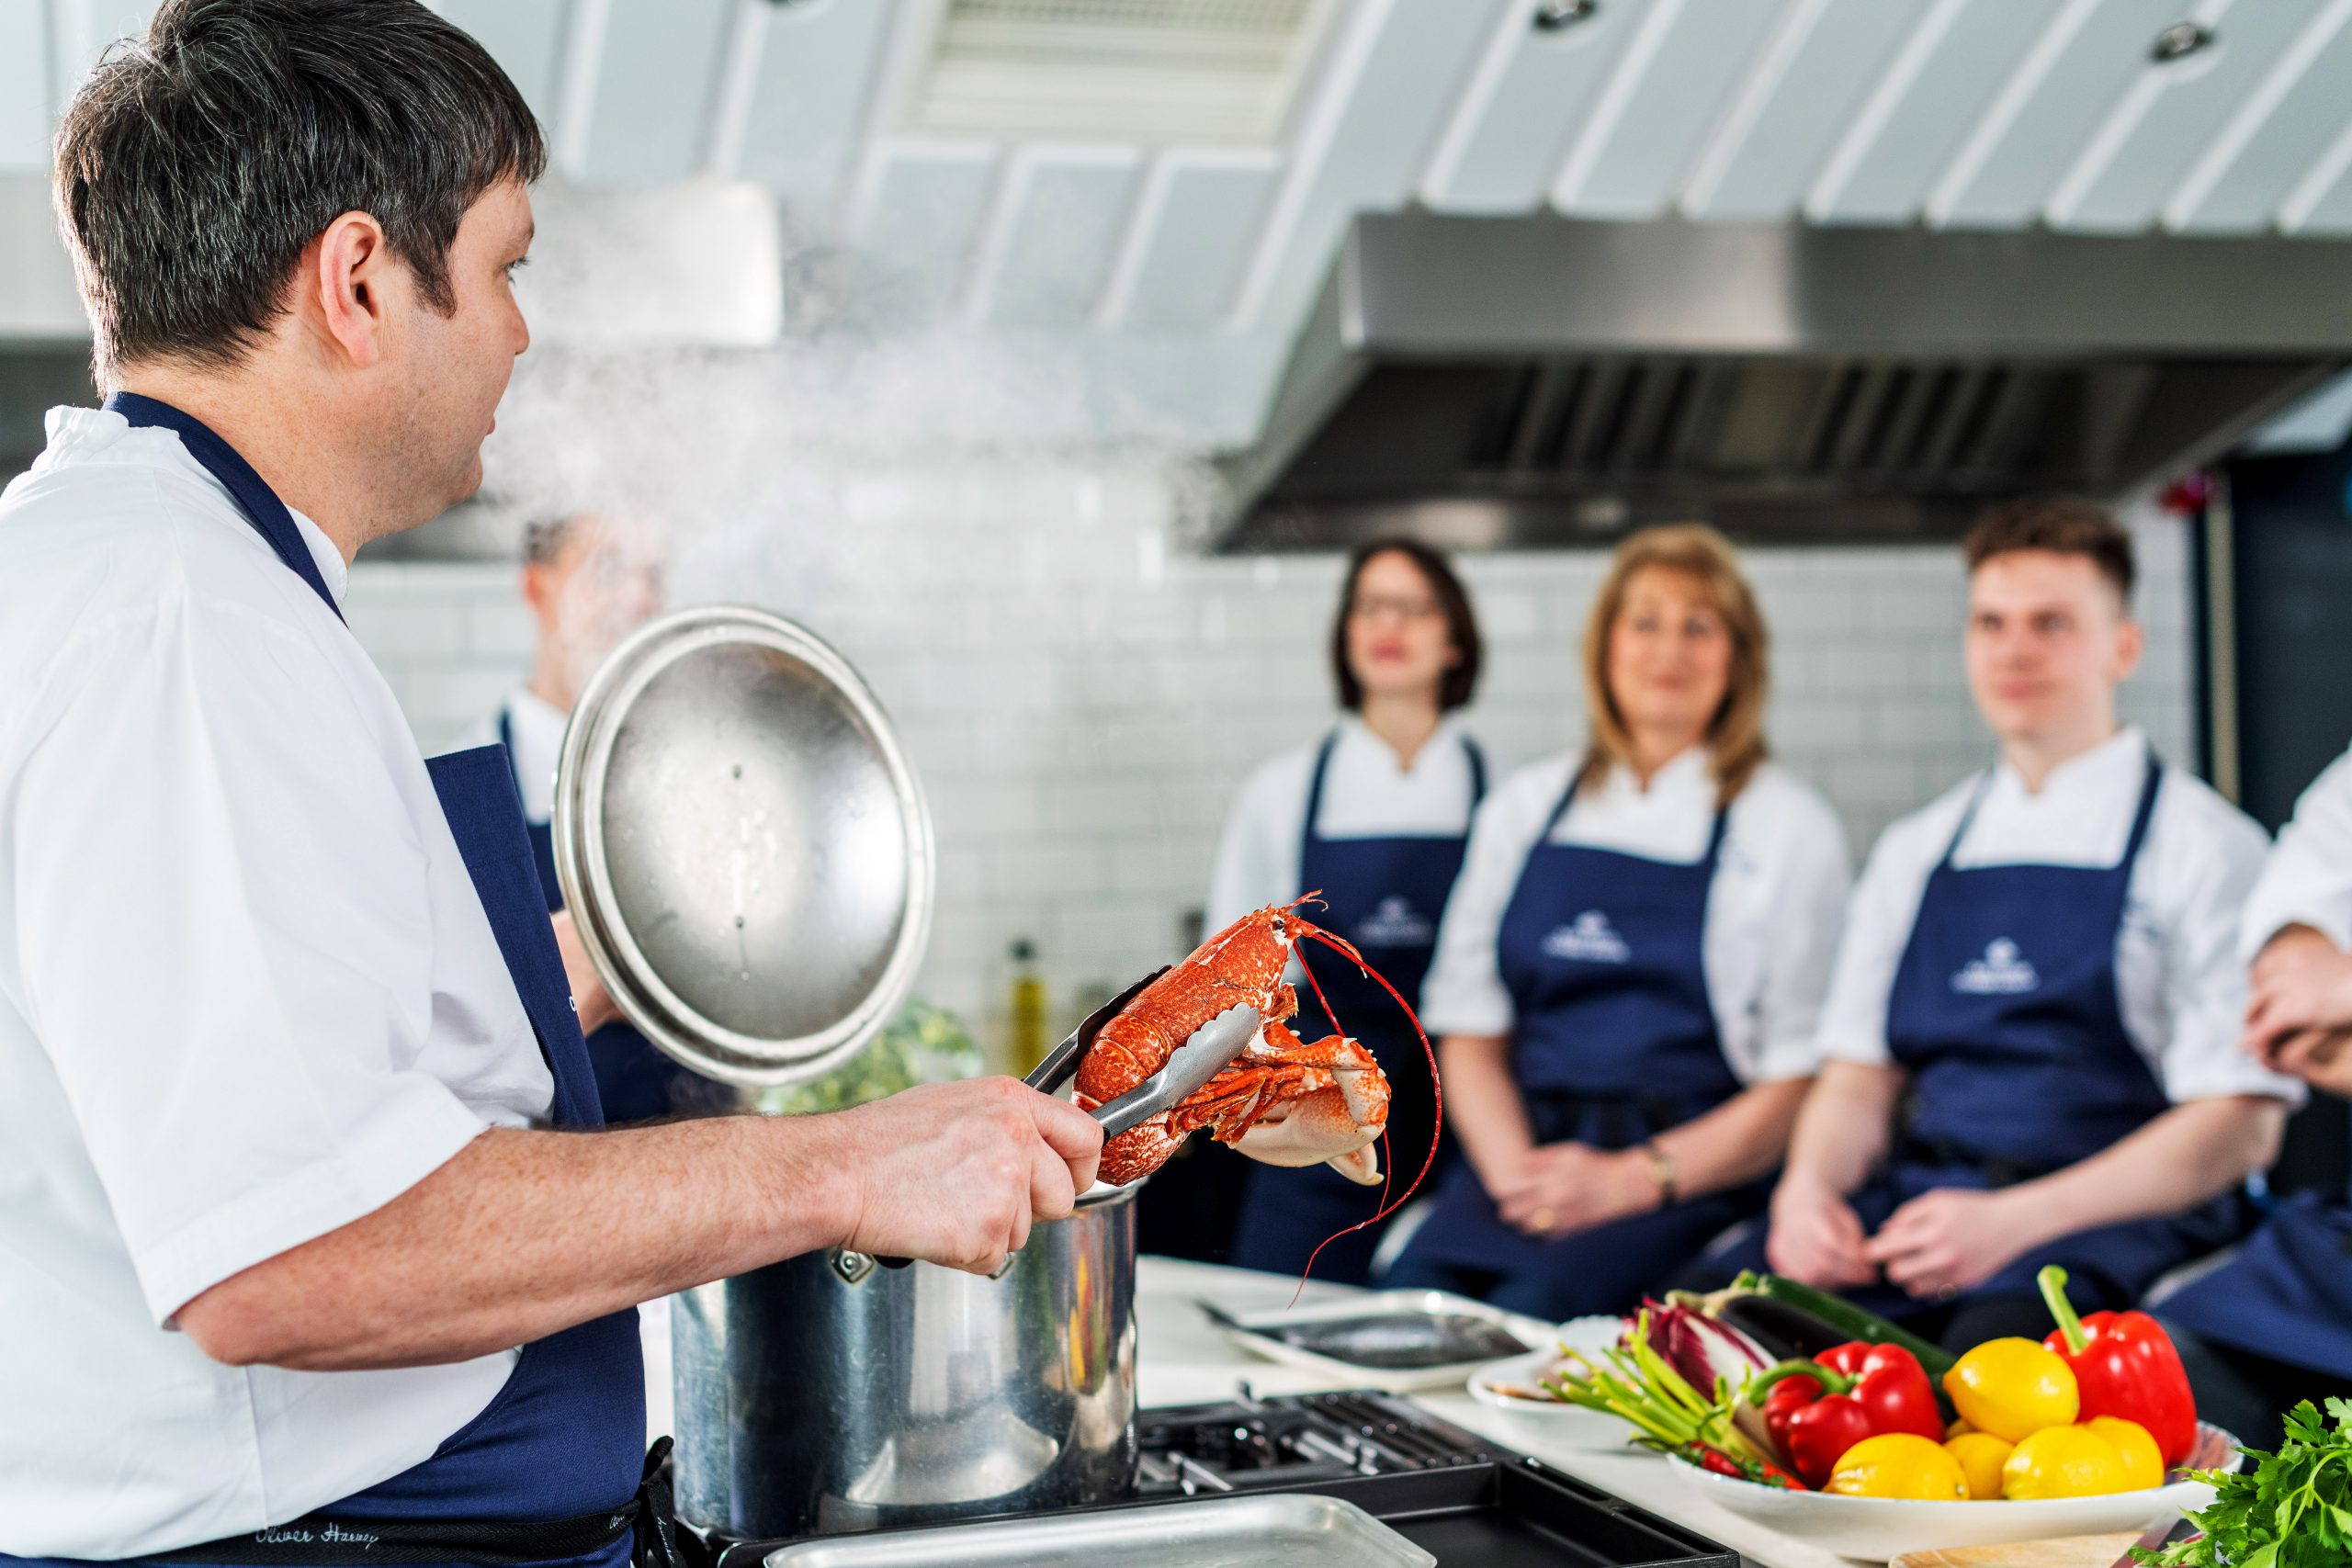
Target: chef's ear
(348, 280)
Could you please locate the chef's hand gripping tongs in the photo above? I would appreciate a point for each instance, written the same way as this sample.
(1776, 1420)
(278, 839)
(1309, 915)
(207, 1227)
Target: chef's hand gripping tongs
(1211, 1049)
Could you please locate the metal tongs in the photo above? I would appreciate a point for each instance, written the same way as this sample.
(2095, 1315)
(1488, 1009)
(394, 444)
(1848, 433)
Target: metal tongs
(1209, 1052)
(1211, 1049)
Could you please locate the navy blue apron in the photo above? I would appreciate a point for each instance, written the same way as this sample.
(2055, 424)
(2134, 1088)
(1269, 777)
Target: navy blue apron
(2286, 1294)
(564, 1439)
(1616, 1041)
(634, 1082)
(2005, 1014)
(1385, 895)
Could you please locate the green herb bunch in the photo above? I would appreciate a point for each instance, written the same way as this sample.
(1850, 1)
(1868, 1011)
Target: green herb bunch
(2293, 1509)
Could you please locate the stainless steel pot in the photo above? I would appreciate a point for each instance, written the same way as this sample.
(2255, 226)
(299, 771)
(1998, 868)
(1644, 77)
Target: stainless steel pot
(827, 1393)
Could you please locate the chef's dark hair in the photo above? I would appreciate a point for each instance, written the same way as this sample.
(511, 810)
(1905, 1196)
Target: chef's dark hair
(2062, 525)
(194, 167)
(1461, 622)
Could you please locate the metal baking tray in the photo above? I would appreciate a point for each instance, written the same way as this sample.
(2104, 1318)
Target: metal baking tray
(1295, 1530)
(1393, 1340)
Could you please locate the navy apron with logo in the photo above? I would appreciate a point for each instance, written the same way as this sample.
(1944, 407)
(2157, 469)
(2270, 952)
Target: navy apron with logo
(1385, 895)
(2005, 1012)
(1616, 1041)
(563, 1440)
(634, 1082)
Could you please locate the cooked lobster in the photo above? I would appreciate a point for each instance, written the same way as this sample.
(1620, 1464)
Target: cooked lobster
(1284, 1101)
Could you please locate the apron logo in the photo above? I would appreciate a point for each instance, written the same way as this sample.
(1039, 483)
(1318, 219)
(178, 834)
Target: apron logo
(1590, 940)
(1394, 924)
(2000, 973)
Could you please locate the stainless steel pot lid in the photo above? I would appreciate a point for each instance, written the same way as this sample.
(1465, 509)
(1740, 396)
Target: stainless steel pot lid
(744, 845)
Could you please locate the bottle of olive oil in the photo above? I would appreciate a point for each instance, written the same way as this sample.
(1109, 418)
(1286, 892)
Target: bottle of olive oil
(1029, 1042)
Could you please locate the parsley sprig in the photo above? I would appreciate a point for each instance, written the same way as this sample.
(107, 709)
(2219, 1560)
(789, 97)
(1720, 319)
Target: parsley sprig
(2293, 1509)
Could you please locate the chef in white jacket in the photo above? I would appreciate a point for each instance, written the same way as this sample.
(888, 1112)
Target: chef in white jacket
(590, 580)
(1373, 818)
(2030, 1034)
(1629, 972)
(2273, 1325)
(313, 1248)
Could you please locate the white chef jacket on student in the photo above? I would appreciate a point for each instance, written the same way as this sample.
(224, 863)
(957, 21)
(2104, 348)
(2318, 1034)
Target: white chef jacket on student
(1772, 913)
(2181, 987)
(534, 731)
(2307, 881)
(247, 995)
(1367, 792)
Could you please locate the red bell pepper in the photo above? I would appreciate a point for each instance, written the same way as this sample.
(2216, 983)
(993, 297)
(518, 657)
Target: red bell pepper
(2126, 1365)
(1890, 1383)
(1816, 1410)
(1812, 1428)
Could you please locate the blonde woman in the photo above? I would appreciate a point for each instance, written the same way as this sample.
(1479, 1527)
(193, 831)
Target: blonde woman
(1628, 976)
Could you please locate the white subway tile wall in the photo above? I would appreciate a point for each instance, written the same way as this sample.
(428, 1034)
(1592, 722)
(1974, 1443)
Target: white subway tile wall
(1081, 692)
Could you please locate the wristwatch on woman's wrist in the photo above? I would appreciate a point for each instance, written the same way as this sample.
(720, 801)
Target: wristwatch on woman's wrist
(1664, 1173)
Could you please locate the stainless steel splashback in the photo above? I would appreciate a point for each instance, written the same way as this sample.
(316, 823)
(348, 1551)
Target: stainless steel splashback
(1543, 380)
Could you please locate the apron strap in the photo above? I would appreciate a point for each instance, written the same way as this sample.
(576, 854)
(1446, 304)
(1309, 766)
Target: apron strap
(1314, 787)
(263, 509)
(1478, 773)
(1967, 817)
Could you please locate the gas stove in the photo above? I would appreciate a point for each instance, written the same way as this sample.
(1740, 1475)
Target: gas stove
(1463, 1499)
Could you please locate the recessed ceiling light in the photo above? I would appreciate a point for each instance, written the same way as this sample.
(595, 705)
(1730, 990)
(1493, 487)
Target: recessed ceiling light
(1558, 15)
(2180, 40)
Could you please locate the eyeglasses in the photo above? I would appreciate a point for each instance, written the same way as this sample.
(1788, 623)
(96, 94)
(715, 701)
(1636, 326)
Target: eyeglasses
(1372, 606)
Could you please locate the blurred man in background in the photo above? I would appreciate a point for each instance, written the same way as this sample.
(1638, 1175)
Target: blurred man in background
(591, 578)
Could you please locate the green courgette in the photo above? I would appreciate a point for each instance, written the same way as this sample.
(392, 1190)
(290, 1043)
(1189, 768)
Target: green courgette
(1851, 1321)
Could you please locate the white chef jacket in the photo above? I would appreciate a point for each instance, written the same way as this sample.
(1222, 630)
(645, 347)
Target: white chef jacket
(247, 995)
(535, 733)
(1772, 913)
(1367, 794)
(2307, 881)
(2181, 987)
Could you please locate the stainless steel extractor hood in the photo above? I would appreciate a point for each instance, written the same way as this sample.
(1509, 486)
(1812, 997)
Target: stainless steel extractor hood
(1543, 380)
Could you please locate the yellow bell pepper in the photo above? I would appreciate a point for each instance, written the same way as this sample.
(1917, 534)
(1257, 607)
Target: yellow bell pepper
(2013, 1388)
(2144, 1464)
(2064, 1461)
(1899, 1464)
(1981, 1456)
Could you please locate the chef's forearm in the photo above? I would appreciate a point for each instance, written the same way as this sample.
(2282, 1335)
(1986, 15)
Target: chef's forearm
(1737, 1142)
(526, 1232)
(1846, 1122)
(2192, 1153)
(1483, 1104)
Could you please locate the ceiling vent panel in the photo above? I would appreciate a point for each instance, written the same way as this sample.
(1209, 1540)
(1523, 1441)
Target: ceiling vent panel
(1154, 72)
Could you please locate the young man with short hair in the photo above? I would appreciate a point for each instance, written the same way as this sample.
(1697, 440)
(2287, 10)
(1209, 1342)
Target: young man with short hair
(2032, 1024)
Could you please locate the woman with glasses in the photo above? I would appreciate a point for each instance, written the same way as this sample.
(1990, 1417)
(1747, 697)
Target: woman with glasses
(1374, 817)
(1630, 969)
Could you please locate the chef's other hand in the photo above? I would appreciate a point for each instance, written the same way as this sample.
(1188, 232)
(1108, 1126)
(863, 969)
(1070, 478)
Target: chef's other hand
(1816, 1237)
(2300, 1007)
(589, 999)
(956, 1173)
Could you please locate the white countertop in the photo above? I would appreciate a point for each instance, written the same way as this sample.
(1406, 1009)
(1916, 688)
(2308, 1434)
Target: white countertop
(1183, 1359)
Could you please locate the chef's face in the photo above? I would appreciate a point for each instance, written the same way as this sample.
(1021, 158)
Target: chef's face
(1398, 641)
(2048, 638)
(458, 365)
(1670, 655)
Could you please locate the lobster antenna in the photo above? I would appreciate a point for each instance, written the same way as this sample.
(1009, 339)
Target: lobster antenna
(1437, 1092)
